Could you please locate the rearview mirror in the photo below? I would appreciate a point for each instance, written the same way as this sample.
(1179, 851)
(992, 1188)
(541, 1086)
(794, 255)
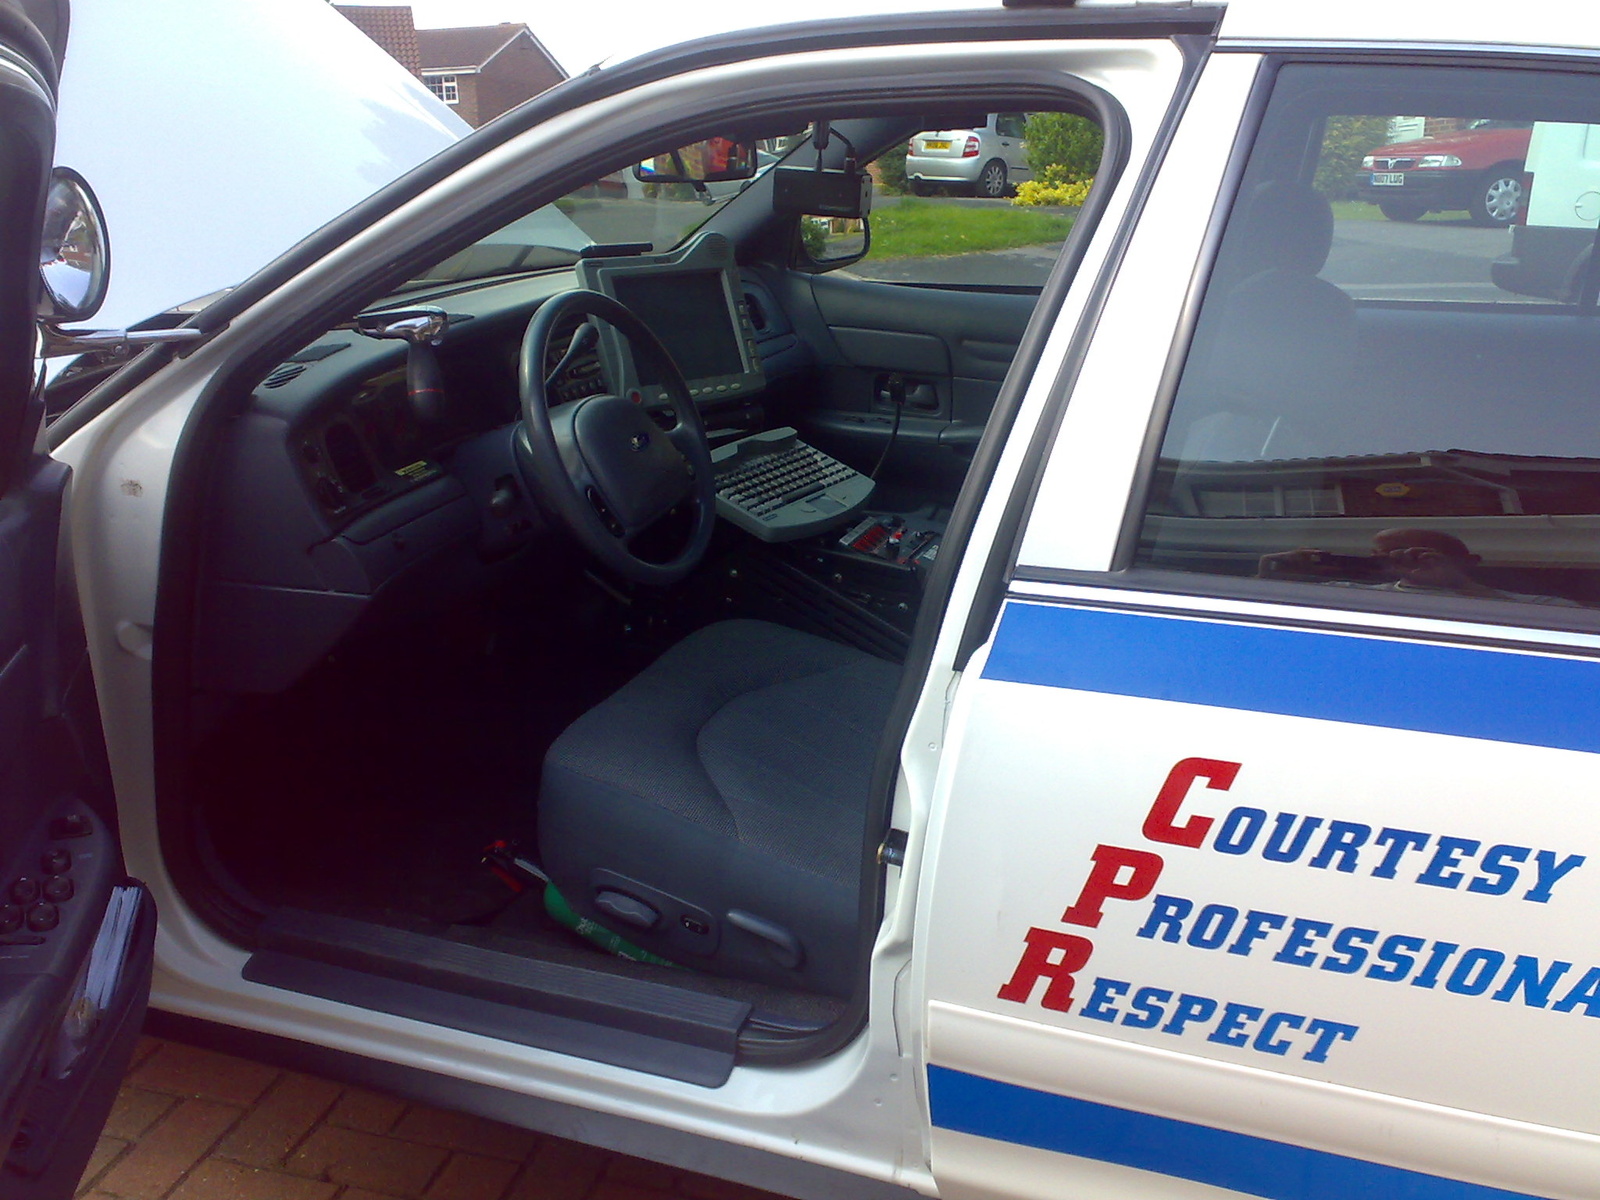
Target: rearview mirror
(715, 160)
(74, 251)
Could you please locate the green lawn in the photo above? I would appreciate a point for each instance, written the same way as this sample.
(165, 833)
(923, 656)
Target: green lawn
(917, 229)
(1355, 210)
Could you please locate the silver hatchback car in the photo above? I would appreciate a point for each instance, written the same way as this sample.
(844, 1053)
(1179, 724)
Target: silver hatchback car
(986, 161)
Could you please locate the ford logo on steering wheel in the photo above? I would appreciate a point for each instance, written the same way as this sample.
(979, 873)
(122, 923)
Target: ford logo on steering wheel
(639, 441)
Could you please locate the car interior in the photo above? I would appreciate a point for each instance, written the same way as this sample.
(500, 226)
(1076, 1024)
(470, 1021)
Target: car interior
(548, 612)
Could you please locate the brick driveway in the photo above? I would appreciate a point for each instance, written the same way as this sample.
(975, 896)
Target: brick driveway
(193, 1124)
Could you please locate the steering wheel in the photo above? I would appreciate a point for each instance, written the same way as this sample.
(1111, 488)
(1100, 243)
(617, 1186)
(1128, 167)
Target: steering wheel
(602, 463)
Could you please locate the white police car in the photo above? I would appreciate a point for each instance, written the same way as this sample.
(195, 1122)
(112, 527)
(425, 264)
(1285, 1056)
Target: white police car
(1127, 737)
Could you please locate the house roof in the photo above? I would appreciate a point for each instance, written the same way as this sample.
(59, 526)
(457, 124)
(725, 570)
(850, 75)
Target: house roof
(391, 26)
(471, 47)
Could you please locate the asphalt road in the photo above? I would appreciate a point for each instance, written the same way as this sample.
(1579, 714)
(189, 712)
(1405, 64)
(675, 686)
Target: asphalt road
(1422, 260)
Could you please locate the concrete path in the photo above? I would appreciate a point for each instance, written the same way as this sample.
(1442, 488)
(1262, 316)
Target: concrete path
(192, 1124)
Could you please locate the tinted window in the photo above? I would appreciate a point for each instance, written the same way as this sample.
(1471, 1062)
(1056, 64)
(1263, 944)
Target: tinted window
(1367, 403)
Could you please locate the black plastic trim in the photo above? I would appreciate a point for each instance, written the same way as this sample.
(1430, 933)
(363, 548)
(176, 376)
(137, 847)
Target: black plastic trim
(32, 47)
(1418, 54)
(489, 1018)
(631, 1023)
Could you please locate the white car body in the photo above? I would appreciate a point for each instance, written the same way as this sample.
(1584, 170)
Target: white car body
(1075, 734)
(228, 158)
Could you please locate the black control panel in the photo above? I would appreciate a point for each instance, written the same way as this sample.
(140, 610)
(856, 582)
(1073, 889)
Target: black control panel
(41, 888)
(76, 953)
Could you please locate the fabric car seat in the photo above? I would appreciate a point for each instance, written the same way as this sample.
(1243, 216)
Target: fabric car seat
(713, 810)
(1276, 346)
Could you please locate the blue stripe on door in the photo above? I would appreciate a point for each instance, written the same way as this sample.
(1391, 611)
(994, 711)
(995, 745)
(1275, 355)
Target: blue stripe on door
(1256, 1166)
(1502, 696)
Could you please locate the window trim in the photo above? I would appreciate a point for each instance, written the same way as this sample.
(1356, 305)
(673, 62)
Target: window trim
(1166, 591)
(446, 87)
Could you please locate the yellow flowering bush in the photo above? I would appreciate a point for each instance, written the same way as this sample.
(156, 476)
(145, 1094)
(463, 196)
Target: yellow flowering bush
(1053, 188)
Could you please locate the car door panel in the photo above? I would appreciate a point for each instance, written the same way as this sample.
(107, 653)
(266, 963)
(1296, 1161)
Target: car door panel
(948, 349)
(64, 1038)
(76, 937)
(1224, 1050)
(1299, 903)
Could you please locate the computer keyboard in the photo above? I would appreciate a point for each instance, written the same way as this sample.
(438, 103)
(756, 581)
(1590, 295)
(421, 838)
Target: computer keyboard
(779, 488)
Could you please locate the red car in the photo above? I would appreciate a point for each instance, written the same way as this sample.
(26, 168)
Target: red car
(1478, 169)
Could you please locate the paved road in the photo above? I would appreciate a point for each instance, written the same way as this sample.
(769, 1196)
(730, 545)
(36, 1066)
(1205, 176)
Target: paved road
(192, 1124)
(1421, 260)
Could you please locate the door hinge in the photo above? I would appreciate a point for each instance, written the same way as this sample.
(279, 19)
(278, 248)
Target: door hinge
(892, 853)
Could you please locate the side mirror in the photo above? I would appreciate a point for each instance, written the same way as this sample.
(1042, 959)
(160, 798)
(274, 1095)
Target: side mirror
(830, 242)
(75, 268)
(715, 160)
(74, 251)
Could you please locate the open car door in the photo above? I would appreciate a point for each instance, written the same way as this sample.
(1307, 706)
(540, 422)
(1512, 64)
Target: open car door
(76, 936)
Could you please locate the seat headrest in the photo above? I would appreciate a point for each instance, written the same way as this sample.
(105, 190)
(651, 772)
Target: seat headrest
(1284, 226)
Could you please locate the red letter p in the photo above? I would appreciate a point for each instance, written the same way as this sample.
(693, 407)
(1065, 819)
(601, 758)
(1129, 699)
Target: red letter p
(1104, 882)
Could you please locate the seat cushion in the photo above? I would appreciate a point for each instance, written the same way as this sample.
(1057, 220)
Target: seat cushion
(732, 775)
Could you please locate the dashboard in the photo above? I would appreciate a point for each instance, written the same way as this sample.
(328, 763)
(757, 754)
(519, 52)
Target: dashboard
(333, 502)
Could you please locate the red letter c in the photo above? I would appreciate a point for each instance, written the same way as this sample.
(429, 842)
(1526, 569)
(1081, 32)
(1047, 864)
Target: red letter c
(1159, 826)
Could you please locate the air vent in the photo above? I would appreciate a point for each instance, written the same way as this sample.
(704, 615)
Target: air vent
(283, 374)
(758, 315)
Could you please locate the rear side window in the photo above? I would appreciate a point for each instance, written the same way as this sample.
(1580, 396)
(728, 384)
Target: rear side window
(1394, 383)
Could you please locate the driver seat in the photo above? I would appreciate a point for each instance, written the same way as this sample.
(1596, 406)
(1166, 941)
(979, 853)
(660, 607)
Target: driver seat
(713, 810)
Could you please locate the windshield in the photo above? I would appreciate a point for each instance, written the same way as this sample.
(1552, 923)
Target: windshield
(617, 209)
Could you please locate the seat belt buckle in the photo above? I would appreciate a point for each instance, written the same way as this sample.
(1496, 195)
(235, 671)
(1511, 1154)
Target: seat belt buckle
(505, 860)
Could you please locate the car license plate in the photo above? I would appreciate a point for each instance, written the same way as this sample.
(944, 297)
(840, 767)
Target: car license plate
(1388, 179)
(936, 144)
